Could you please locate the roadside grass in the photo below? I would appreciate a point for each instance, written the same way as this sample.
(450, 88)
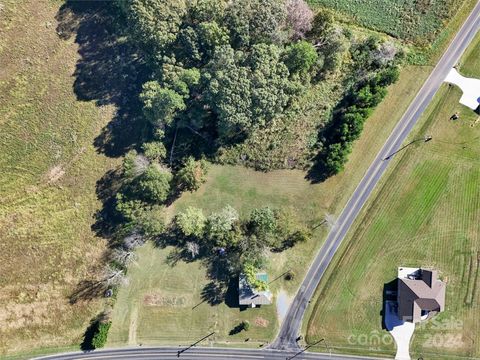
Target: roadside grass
(49, 168)
(418, 22)
(424, 213)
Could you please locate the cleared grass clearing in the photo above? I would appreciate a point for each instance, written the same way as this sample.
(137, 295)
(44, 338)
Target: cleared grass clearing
(425, 214)
(49, 168)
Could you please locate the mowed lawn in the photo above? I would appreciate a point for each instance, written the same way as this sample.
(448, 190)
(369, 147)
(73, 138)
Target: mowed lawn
(49, 168)
(425, 213)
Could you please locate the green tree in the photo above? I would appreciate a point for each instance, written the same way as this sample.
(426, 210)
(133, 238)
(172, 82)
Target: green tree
(191, 222)
(100, 337)
(208, 10)
(263, 222)
(192, 174)
(247, 91)
(255, 21)
(220, 225)
(300, 57)
(151, 220)
(154, 23)
(154, 151)
(336, 157)
(211, 36)
(161, 105)
(154, 184)
(134, 165)
(250, 272)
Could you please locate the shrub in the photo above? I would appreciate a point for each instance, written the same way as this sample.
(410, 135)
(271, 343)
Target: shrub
(100, 338)
(245, 324)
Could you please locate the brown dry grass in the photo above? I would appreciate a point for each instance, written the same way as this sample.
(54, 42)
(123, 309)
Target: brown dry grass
(49, 170)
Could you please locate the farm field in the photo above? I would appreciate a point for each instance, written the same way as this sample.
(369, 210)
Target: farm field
(49, 169)
(418, 22)
(425, 213)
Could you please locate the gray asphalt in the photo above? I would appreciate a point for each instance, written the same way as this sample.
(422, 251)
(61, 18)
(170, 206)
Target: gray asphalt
(291, 325)
(285, 344)
(149, 353)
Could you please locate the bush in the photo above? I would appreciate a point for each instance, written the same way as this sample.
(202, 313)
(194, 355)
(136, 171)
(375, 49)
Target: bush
(100, 338)
(245, 325)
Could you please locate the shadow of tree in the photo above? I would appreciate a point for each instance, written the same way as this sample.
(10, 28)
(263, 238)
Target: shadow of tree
(87, 290)
(109, 71)
(214, 293)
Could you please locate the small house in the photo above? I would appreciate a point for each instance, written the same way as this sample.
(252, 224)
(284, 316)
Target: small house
(251, 297)
(420, 294)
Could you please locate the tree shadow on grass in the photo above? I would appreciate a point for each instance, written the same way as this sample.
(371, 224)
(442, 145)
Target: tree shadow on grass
(109, 71)
(87, 290)
(214, 293)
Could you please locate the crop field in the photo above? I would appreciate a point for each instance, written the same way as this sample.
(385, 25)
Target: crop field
(425, 214)
(415, 21)
(49, 168)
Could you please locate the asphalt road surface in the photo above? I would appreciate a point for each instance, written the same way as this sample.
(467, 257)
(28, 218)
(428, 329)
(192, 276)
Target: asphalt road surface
(290, 327)
(149, 353)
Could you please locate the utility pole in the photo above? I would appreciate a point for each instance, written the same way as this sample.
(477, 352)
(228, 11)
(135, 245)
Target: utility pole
(179, 352)
(303, 350)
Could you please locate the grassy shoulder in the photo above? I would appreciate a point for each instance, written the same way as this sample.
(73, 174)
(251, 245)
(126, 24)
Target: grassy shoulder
(47, 187)
(423, 214)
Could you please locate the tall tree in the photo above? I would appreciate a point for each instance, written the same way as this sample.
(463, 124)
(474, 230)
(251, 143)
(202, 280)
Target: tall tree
(161, 105)
(154, 184)
(154, 23)
(254, 21)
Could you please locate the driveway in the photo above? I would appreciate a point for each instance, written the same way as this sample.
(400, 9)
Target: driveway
(469, 86)
(401, 331)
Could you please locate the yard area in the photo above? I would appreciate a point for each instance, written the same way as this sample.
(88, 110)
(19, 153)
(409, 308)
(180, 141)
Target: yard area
(425, 213)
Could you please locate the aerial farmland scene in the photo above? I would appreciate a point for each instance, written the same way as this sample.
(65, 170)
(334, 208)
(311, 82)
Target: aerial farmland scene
(240, 179)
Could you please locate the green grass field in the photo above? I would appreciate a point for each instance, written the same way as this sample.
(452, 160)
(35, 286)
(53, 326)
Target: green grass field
(418, 21)
(425, 213)
(49, 168)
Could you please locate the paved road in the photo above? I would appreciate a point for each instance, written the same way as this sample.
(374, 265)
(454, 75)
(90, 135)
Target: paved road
(197, 353)
(291, 325)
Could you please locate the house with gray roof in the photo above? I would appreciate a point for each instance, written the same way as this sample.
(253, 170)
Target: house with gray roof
(420, 294)
(249, 296)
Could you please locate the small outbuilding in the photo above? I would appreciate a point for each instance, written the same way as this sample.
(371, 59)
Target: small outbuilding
(251, 297)
(420, 294)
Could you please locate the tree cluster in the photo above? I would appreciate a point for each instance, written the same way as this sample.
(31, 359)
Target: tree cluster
(243, 244)
(378, 70)
(222, 69)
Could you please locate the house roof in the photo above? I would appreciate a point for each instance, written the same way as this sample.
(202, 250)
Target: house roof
(418, 291)
(248, 295)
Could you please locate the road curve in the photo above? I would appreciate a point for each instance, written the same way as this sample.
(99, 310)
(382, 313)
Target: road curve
(165, 353)
(290, 327)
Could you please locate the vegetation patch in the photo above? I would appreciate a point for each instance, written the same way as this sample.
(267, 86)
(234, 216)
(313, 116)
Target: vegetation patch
(416, 21)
